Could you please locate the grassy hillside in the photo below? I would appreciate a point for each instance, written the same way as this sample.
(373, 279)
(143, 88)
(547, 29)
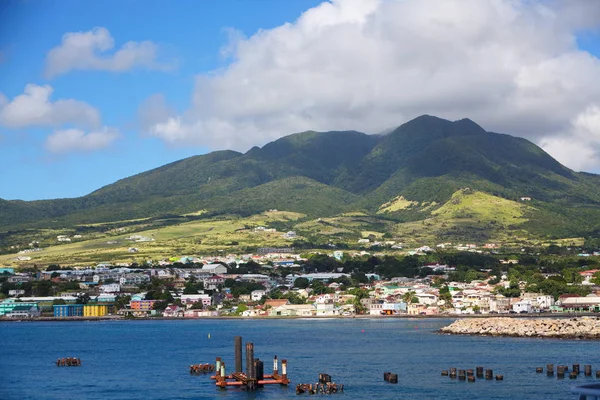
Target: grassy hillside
(408, 176)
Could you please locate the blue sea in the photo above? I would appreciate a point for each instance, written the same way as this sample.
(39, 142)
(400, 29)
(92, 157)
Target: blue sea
(150, 359)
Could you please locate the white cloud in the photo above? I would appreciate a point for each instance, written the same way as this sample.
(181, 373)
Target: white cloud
(70, 140)
(579, 147)
(34, 108)
(511, 65)
(88, 51)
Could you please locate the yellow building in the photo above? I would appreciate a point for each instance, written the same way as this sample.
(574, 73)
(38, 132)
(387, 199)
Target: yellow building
(95, 310)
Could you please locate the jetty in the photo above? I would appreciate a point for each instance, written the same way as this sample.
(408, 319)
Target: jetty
(563, 328)
(254, 377)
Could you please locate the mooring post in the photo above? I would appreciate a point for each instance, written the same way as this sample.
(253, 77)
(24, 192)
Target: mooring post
(479, 372)
(588, 370)
(237, 344)
(576, 368)
(284, 369)
(260, 371)
(275, 366)
(250, 360)
(223, 371)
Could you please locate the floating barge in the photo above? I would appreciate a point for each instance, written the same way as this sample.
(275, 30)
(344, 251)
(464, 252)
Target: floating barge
(254, 377)
(68, 362)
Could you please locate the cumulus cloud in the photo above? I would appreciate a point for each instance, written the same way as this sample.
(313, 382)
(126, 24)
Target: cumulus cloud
(34, 108)
(70, 140)
(579, 147)
(511, 65)
(88, 51)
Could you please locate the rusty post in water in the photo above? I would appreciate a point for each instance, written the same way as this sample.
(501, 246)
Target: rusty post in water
(471, 378)
(550, 369)
(250, 360)
(560, 371)
(462, 375)
(260, 371)
(393, 378)
(489, 374)
(237, 344)
(539, 370)
(452, 373)
(275, 366)
(573, 375)
(587, 370)
(576, 368)
(479, 372)
(598, 374)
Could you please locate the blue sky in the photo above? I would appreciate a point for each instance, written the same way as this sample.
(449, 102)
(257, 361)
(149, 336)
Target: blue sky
(289, 66)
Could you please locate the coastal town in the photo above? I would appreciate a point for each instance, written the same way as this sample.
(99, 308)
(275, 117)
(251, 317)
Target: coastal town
(280, 282)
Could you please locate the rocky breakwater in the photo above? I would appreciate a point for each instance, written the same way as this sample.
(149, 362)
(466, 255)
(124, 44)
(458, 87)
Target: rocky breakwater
(565, 328)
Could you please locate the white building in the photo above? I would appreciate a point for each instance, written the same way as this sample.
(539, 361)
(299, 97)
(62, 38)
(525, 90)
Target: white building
(215, 269)
(256, 295)
(524, 305)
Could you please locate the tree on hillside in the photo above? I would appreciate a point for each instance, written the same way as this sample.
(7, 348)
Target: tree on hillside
(301, 283)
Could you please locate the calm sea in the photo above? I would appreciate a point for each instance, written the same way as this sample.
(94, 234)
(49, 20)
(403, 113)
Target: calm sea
(150, 359)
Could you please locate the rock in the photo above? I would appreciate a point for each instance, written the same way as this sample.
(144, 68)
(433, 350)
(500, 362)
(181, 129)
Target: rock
(578, 328)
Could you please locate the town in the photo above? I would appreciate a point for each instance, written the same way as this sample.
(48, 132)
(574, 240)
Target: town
(280, 282)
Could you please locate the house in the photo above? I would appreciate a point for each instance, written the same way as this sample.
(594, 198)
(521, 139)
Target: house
(215, 269)
(24, 311)
(256, 295)
(524, 305)
(189, 299)
(214, 282)
(244, 298)
(588, 303)
(110, 288)
(289, 235)
(297, 310)
(325, 309)
(173, 311)
(274, 303)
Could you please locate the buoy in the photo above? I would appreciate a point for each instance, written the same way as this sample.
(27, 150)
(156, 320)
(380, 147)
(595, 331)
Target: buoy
(209, 335)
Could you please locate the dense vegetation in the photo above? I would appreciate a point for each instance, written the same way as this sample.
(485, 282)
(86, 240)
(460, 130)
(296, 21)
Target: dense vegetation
(425, 162)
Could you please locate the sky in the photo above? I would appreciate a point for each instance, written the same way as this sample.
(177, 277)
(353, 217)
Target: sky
(98, 90)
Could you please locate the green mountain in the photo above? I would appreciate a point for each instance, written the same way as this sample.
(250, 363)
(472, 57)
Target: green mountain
(417, 169)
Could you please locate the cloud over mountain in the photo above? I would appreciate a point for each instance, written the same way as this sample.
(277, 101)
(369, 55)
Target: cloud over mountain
(368, 65)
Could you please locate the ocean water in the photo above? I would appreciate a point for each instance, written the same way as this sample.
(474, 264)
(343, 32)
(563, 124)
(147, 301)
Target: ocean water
(150, 359)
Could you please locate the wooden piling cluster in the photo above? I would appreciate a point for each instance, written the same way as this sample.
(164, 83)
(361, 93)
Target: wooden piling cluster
(323, 386)
(68, 362)
(471, 375)
(254, 377)
(561, 370)
(198, 369)
(389, 377)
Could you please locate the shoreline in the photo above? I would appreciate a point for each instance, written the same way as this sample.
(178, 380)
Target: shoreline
(378, 317)
(579, 327)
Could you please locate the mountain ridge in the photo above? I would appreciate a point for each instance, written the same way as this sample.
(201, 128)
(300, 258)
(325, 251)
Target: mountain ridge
(426, 159)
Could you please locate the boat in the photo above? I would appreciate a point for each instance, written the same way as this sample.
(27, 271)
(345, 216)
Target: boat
(587, 392)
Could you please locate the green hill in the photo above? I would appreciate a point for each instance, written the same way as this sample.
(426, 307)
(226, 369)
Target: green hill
(406, 176)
